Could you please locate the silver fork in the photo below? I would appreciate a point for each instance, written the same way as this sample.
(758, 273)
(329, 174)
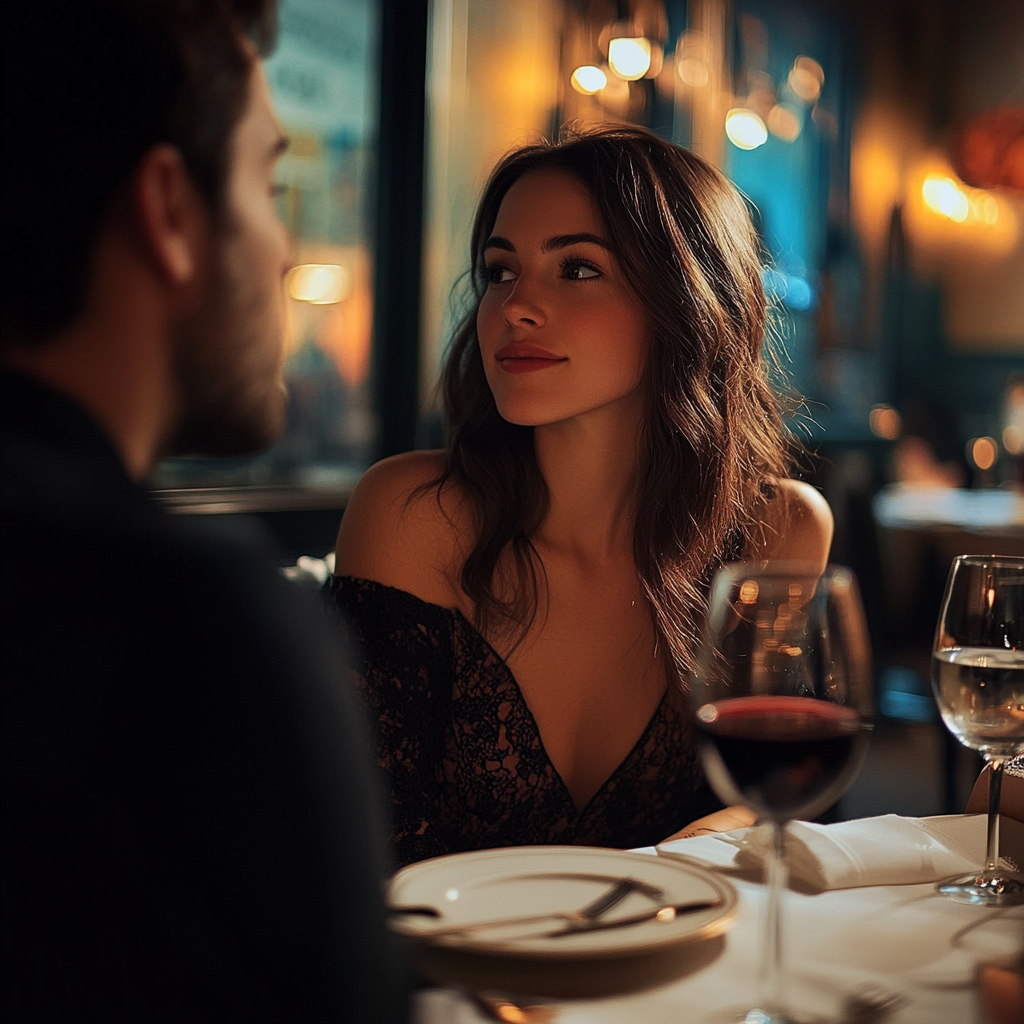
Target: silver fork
(591, 912)
(870, 1005)
(503, 1010)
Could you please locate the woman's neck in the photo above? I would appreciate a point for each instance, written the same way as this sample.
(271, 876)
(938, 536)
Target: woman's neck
(589, 464)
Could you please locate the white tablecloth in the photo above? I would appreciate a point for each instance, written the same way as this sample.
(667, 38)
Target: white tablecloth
(904, 939)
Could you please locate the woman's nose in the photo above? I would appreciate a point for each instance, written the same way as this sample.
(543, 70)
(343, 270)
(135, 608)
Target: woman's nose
(522, 307)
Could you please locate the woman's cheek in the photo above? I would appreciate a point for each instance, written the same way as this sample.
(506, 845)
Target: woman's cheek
(488, 320)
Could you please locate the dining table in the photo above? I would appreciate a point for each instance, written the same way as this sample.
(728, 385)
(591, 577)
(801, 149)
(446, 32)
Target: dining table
(898, 954)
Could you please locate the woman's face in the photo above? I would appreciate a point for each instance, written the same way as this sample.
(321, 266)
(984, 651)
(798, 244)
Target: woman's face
(561, 332)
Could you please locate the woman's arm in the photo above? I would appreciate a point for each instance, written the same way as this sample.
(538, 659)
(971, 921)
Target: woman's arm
(1011, 793)
(720, 821)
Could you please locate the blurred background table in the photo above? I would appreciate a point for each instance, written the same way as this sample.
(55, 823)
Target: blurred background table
(919, 530)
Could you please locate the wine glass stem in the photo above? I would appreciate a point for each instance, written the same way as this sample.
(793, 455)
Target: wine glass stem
(995, 784)
(776, 876)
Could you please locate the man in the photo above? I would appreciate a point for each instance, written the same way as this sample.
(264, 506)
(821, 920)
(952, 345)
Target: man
(189, 828)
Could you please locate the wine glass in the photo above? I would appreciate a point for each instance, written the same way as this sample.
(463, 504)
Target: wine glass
(782, 697)
(978, 678)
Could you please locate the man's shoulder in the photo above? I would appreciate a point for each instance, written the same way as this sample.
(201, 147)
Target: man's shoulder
(89, 550)
(55, 489)
(98, 573)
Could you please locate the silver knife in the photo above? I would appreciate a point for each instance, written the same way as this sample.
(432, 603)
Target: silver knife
(668, 913)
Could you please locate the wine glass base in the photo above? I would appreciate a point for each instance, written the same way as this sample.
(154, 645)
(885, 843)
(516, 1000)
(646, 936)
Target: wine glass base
(768, 1017)
(867, 1003)
(738, 1015)
(1005, 889)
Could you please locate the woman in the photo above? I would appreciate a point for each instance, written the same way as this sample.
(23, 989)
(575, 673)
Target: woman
(526, 600)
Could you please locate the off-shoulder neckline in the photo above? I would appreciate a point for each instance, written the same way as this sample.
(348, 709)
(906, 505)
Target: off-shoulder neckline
(502, 665)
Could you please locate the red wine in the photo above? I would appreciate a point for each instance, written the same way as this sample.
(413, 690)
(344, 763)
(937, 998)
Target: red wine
(785, 757)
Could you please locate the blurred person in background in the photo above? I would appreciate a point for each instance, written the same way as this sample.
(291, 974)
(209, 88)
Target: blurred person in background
(527, 601)
(1013, 430)
(930, 453)
(189, 830)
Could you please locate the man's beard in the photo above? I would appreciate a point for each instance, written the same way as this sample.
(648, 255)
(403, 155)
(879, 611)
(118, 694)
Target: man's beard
(228, 366)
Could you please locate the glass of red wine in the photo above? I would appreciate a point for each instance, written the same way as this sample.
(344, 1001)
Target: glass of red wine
(783, 698)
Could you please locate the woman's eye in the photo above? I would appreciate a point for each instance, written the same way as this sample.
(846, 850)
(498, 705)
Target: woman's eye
(579, 271)
(498, 275)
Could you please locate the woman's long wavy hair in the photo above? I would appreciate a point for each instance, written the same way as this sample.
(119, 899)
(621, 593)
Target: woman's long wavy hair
(712, 441)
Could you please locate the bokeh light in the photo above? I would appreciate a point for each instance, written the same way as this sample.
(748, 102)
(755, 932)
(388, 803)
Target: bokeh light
(745, 129)
(692, 57)
(1013, 439)
(693, 71)
(792, 290)
(799, 293)
(944, 196)
(588, 79)
(783, 123)
(983, 207)
(885, 422)
(319, 283)
(947, 219)
(614, 96)
(983, 451)
(806, 79)
(629, 58)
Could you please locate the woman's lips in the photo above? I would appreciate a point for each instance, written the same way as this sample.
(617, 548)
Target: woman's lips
(527, 364)
(523, 358)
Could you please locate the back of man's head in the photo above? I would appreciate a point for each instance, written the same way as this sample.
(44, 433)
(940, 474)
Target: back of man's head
(90, 86)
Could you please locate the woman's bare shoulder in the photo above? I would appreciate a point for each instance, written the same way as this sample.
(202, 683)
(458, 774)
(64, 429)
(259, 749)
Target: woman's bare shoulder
(398, 530)
(797, 524)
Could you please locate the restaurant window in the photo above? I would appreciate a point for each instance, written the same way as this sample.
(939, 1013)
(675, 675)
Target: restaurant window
(323, 77)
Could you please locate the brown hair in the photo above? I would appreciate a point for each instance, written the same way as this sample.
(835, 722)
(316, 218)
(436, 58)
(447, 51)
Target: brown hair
(712, 442)
(93, 85)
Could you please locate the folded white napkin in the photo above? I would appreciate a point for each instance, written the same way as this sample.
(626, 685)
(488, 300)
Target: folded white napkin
(887, 850)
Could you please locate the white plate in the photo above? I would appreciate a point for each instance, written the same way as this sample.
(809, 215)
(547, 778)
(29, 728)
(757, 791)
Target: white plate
(488, 885)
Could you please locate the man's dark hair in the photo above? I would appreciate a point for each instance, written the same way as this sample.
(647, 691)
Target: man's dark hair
(89, 87)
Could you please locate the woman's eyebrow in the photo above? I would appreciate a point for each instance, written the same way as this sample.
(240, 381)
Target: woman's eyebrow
(564, 241)
(555, 242)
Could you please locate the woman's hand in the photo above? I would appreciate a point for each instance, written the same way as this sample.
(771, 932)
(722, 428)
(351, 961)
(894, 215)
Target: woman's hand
(720, 821)
(1011, 794)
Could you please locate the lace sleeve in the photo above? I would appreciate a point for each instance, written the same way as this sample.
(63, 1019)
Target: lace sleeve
(402, 653)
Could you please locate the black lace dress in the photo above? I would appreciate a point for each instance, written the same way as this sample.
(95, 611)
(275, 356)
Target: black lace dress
(463, 754)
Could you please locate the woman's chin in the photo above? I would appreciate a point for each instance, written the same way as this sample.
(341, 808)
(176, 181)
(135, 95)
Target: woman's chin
(528, 414)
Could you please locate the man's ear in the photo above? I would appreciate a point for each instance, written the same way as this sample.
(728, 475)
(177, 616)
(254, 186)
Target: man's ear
(171, 215)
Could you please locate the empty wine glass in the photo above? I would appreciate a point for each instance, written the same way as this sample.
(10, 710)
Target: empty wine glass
(978, 678)
(782, 698)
